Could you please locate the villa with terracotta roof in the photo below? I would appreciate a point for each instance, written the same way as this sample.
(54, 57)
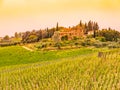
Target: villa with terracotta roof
(70, 33)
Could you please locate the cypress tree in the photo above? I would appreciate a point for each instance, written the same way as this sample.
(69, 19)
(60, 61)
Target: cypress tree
(86, 29)
(90, 25)
(57, 27)
(94, 29)
(80, 23)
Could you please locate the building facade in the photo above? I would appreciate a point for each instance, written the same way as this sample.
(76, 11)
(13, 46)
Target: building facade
(70, 33)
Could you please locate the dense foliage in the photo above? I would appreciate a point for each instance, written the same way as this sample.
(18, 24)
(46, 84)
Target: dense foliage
(90, 29)
(109, 34)
(37, 35)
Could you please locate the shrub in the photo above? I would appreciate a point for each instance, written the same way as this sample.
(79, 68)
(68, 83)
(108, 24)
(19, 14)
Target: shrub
(89, 41)
(102, 39)
(38, 46)
(98, 44)
(83, 43)
(64, 38)
(76, 44)
(44, 45)
(45, 40)
(50, 44)
(113, 46)
(101, 44)
(58, 45)
(9, 44)
(75, 38)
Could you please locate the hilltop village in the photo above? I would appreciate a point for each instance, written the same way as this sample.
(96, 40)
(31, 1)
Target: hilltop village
(80, 30)
(83, 34)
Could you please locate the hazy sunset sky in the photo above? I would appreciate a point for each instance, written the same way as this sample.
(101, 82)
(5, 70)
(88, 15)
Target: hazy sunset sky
(24, 15)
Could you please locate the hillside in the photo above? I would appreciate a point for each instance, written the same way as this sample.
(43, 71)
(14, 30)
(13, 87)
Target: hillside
(79, 69)
(64, 72)
(16, 55)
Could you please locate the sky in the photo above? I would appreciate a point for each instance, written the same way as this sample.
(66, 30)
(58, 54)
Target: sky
(26, 15)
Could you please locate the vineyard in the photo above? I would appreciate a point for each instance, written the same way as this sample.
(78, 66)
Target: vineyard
(86, 71)
(16, 55)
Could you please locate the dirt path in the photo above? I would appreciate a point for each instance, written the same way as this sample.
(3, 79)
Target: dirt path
(27, 48)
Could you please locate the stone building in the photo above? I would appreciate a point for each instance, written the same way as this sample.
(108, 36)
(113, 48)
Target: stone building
(70, 33)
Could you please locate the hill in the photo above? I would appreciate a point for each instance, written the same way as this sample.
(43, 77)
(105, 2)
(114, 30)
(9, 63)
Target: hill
(15, 55)
(79, 69)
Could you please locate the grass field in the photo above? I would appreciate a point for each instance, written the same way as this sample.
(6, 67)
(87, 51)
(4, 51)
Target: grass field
(78, 69)
(17, 55)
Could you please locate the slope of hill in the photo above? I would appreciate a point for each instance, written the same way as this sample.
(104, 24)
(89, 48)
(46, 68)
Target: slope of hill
(78, 73)
(15, 55)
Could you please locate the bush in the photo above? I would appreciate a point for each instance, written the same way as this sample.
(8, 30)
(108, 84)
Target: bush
(44, 45)
(64, 38)
(88, 42)
(113, 46)
(9, 44)
(40, 46)
(98, 44)
(102, 39)
(50, 44)
(76, 44)
(58, 45)
(83, 44)
(101, 44)
(75, 38)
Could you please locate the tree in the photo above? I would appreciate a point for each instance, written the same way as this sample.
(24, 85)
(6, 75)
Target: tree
(57, 27)
(63, 38)
(20, 34)
(6, 37)
(81, 23)
(96, 28)
(86, 29)
(39, 35)
(51, 32)
(32, 38)
(110, 35)
(16, 35)
(56, 39)
(109, 28)
(48, 33)
(25, 36)
(90, 25)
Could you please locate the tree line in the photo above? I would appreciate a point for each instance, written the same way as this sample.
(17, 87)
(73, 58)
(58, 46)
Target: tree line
(109, 34)
(37, 35)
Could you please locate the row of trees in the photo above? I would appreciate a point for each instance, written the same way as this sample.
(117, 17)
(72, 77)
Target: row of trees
(35, 36)
(90, 26)
(109, 34)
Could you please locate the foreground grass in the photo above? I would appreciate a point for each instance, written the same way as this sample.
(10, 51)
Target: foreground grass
(16, 55)
(78, 73)
(78, 69)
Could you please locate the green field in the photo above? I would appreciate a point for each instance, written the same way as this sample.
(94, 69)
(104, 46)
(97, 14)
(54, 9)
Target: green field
(76, 69)
(17, 55)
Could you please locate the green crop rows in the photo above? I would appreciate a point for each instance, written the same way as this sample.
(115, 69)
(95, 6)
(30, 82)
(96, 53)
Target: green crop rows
(78, 72)
(17, 55)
